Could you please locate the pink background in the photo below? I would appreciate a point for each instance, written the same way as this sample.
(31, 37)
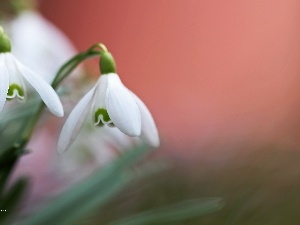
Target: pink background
(212, 72)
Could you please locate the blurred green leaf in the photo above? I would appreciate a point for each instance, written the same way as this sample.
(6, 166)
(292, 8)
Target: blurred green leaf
(151, 167)
(174, 213)
(88, 194)
(19, 110)
(12, 197)
(13, 120)
(5, 171)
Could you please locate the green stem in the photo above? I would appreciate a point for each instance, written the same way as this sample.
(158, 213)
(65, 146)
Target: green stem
(69, 66)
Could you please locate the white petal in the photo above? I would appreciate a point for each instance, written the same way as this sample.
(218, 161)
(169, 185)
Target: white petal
(101, 92)
(117, 139)
(149, 131)
(75, 121)
(122, 108)
(99, 102)
(15, 77)
(46, 92)
(4, 83)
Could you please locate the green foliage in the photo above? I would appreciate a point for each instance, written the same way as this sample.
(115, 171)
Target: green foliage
(174, 213)
(9, 199)
(97, 190)
(13, 120)
(88, 194)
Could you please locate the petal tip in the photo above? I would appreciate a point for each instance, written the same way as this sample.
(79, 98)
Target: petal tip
(152, 141)
(155, 144)
(133, 131)
(61, 113)
(60, 151)
(61, 147)
(58, 110)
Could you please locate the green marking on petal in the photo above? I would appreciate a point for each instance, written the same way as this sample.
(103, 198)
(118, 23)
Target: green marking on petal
(101, 118)
(15, 90)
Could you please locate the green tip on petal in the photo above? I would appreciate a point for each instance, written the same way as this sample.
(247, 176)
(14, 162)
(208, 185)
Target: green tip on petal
(107, 63)
(15, 90)
(4, 42)
(101, 118)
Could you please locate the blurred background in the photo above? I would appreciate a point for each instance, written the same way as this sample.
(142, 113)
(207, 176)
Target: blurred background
(221, 79)
(212, 72)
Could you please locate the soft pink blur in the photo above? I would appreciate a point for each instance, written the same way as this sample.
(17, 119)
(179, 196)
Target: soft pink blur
(210, 71)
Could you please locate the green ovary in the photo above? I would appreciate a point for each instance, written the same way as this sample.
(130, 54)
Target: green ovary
(101, 118)
(15, 90)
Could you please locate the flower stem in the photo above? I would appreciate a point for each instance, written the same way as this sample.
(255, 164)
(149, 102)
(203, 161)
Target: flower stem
(69, 66)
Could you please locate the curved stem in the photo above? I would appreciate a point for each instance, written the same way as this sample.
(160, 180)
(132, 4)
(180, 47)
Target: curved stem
(69, 66)
(101, 46)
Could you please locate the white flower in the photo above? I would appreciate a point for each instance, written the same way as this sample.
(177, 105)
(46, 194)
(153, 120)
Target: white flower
(14, 75)
(112, 104)
(44, 52)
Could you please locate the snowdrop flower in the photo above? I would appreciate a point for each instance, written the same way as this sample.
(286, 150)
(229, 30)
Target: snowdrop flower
(111, 104)
(14, 75)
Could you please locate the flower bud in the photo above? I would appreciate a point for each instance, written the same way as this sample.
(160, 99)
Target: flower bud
(107, 63)
(4, 42)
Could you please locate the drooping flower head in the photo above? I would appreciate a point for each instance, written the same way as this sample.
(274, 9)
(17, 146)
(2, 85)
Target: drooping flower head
(111, 104)
(14, 76)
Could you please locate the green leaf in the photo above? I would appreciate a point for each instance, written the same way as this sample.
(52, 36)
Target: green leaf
(5, 171)
(12, 197)
(13, 120)
(174, 213)
(88, 194)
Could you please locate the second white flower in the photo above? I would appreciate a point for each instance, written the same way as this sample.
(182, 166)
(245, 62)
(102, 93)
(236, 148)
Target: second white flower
(112, 104)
